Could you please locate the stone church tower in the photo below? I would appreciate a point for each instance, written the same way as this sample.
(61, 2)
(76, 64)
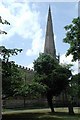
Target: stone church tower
(49, 47)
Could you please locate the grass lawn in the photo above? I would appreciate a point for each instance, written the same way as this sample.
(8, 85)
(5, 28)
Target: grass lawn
(41, 114)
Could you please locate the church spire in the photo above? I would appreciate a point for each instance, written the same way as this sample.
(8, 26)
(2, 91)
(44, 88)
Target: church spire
(49, 47)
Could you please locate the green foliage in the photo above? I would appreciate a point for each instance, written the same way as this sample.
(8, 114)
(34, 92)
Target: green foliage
(11, 76)
(60, 78)
(23, 90)
(33, 90)
(6, 53)
(73, 38)
(36, 88)
(44, 64)
(74, 86)
(2, 21)
(51, 74)
(11, 79)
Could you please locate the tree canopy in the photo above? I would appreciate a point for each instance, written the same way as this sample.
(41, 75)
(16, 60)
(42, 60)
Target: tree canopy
(11, 79)
(48, 72)
(11, 76)
(73, 38)
(74, 86)
(44, 64)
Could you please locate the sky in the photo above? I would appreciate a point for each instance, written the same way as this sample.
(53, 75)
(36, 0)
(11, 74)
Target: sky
(28, 27)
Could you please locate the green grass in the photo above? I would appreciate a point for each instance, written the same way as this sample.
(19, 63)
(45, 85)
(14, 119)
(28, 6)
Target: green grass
(41, 114)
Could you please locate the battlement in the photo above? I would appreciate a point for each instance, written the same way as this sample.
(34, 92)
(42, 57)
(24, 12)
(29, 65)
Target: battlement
(25, 68)
(19, 66)
(28, 74)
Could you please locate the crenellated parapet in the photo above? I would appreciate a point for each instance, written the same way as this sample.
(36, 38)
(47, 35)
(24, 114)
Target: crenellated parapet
(25, 68)
(27, 73)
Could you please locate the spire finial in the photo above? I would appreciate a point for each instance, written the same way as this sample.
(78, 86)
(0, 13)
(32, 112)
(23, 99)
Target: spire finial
(49, 8)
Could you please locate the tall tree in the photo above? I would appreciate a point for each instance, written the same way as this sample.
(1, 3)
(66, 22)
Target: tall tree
(50, 73)
(11, 79)
(2, 21)
(73, 92)
(73, 38)
(11, 76)
(74, 87)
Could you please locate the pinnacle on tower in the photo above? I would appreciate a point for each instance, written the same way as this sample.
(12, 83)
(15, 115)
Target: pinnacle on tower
(49, 47)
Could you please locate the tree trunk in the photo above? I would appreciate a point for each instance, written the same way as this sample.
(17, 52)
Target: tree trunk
(24, 101)
(49, 99)
(70, 108)
(69, 103)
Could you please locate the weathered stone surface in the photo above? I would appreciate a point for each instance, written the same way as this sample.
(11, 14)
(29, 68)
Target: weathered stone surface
(49, 47)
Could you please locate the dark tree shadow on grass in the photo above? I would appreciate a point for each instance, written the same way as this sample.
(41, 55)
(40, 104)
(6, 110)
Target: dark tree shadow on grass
(40, 116)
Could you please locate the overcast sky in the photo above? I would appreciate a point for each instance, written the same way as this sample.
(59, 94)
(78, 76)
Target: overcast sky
(28, 25)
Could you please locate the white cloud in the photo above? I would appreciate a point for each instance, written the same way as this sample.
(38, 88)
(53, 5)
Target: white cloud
(24, 22)
(67, 60)
(8, 11)
(37, 44)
